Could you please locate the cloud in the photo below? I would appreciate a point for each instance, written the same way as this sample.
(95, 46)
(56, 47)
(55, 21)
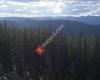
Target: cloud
(33, 8)
(14, 15)
(24, 0)
(3, 6)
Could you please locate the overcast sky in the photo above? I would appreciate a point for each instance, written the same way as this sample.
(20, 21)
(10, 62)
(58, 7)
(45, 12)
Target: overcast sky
(34, 8)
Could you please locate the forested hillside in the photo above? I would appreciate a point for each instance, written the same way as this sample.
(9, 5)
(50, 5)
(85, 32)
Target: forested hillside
(65, 58)
(72, 28)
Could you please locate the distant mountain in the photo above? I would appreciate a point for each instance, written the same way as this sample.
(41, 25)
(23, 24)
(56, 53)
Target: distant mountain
(93, 20)
(71, 28)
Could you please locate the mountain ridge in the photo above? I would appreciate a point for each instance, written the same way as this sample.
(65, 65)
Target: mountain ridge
(72, 28)
(92, 20)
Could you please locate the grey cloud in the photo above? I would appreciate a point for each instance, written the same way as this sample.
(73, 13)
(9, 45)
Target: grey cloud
(72, 7)
(24, 0)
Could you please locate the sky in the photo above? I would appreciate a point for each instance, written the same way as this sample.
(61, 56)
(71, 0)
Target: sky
(40, 8)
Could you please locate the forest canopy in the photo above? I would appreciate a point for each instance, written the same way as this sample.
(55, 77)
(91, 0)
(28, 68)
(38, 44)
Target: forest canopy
(65, 58)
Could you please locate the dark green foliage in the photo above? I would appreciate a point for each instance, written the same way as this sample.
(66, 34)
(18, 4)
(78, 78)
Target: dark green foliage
(65, 58)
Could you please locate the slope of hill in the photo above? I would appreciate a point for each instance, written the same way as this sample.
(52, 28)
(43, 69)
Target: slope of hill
(92, 20)
(71, 27)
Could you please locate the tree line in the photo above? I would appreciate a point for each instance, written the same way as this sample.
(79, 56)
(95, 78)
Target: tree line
(66, 58)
